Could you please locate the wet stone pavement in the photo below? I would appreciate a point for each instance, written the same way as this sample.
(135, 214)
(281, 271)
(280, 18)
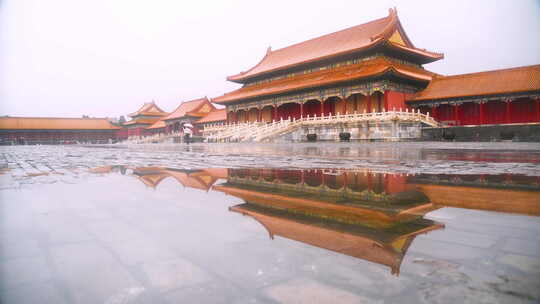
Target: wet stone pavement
(306, 223)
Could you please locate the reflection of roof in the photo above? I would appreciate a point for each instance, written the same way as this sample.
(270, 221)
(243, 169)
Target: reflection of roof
(214, 116)
(385, 247)
(200, 179)
(149, 109)
(187, 180)
(385, 30)
(318, 207)
(51, 123)
(198, 108)
(150, 176)
(104, 169)
(481, 198)
(521, 79)
(368, 68)
(215, 172)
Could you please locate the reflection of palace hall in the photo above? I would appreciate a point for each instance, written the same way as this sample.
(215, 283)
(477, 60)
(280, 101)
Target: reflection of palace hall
(360, 213)
(372, 216)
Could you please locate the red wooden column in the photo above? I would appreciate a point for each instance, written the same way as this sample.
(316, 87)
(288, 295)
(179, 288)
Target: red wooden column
(275, 113)
(260, 115)
(456, 114)
(368, 105)
(434, 111)
(482, 110)
(322, 107)
(538, 110)
(508, 111)
(301, 109)
(385, 101)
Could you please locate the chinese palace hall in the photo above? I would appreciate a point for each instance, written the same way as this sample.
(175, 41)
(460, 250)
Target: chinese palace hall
(366, 82)
(374, 68)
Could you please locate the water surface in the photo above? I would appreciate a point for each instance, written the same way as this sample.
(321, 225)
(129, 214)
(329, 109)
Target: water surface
(87, 225)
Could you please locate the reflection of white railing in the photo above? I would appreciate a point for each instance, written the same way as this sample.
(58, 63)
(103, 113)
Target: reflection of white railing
(260, 131)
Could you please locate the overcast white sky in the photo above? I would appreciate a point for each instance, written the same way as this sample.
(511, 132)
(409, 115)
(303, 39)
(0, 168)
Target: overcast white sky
(104, 58)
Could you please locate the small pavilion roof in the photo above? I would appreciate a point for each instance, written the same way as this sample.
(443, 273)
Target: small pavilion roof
(384, 30)
(149, 109)
(364, 69)
(54, 123)
(142, 121)
(158, 124)
(197, 108)
(513, 80)
(214, 116)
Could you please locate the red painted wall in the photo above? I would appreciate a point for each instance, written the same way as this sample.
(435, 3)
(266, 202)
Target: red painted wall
(312, 108)
(523, 110)
(329, 107)
(395, 100)
(495, 112)
(287, 110)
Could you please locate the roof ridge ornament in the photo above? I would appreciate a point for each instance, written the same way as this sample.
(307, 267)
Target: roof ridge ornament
(389, 29)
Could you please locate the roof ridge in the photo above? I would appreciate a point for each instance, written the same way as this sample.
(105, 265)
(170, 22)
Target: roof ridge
(332, 33)
(269, 51)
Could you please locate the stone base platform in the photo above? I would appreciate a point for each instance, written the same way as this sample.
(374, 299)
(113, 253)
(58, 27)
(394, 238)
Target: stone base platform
(507, 132)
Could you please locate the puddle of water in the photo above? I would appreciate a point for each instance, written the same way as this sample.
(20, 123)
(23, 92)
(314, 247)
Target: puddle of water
(165, 234)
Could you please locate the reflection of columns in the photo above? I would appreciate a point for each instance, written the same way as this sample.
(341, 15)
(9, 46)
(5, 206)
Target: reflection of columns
(302, 110)
(456, 114)
(508, 112)
(368, 106)
(369, 182)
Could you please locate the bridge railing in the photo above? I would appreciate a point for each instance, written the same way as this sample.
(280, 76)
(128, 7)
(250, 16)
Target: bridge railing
(261, 130)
